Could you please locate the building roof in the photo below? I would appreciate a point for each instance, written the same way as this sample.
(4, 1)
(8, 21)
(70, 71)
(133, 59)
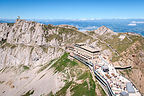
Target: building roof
(123, 93)
(129, 87)
(87, 48)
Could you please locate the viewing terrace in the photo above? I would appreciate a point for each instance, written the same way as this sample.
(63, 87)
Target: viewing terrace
(114, 83)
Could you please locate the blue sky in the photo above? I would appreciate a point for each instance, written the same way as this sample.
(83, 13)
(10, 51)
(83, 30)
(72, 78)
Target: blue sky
(71, 9)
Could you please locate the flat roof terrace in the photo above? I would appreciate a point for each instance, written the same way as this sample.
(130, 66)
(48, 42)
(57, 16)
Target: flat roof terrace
(90, 49)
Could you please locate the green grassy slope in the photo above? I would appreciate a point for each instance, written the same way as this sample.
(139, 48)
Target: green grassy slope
(65, 35)
(75, 72)
(121, 45)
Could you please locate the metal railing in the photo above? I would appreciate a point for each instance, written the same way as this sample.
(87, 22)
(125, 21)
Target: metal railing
(123, 68)
(105, 83)
(97, 75)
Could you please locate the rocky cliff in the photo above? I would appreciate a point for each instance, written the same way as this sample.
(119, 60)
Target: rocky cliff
(32, 60)
(31, 43)
(24, 51)
(24, 43)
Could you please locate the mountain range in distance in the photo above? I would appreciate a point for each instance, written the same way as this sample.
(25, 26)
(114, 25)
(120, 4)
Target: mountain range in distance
(117, 25)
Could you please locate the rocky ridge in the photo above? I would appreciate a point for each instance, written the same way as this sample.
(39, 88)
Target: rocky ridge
(24, 43)
(32, 42)
(29, 49)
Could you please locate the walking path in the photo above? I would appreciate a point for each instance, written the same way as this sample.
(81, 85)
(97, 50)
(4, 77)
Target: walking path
(114, 84)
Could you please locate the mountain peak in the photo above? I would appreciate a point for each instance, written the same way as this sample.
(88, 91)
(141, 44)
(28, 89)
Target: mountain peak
(103, 27)
(103, 30)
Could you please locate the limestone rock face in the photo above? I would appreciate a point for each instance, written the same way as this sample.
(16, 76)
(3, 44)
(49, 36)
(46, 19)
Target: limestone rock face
(25, 43)
(14, 55)
(31, 43)
(4, 30)
(24, 32)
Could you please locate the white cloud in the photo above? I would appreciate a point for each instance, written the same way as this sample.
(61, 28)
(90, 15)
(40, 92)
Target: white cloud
(86, 19)
(132, 24)
(137, 22)
(87, 28)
